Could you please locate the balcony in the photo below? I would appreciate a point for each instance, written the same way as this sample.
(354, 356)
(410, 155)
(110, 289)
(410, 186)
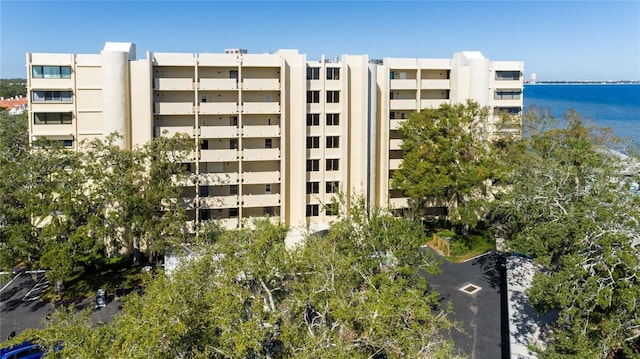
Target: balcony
(507, 102)
(260, 177)
(432, 103)
(394, 164)
(261, 200)
(260, 107)
(395, 124)
(399, 202)
(172, 130)
(187, 202)
(405, 84)
(394, 144)
(168, 84)
(401, 104)
(218, 155)
(228, 223)
(225, 84)
(53, 130)
(261, 84)
(261, 154)
(261, 131)
(173, 108)
(217, 108)
(218, 131)
(435, 84)
(218, 179)
(214, 202)
(183, 180)
(515, 84)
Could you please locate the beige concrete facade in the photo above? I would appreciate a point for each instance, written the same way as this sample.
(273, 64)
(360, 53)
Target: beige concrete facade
(277, 134)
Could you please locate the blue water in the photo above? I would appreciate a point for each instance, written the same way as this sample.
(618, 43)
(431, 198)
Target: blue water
(606, 105)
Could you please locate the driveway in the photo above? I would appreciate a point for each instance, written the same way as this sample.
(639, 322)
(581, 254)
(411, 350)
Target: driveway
(480, 308)
(21, 307)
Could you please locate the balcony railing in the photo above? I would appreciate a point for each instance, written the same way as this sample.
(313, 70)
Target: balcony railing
(218, 155)
(261, 84)
(261, 131)
(217, 108)
(432, 103)
(214, 202)
(218, 131)
(435, 84)
(403, 104)
(394, 144)
(260, 200)
(394, 164)
(261, 154)
(172, 130)
(174, 108)
(228, 84)
(173, 84)
(405, 84)
(260, 107)
(399, 202)
(218, 179)
(394, 124)
(260, 177)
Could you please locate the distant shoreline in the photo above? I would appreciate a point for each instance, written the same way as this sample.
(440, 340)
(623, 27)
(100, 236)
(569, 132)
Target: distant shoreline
(621, 82)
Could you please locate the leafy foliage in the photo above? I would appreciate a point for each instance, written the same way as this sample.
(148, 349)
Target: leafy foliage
(569, 205)
(353, 293)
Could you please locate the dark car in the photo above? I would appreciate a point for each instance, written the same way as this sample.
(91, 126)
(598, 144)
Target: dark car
(101, 299)
(24, 350)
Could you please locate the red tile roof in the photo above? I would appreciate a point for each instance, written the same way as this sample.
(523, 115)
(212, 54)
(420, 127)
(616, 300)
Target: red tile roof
(12, 102)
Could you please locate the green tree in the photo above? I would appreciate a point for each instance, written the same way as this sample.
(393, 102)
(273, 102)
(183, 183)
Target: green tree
(570, 206)
(448, 159)
(354, 293)
(13, 87)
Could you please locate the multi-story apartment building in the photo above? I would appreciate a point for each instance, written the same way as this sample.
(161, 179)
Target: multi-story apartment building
(277, 135)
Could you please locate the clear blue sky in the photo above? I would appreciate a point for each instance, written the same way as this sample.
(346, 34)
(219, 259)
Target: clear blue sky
(571, 40)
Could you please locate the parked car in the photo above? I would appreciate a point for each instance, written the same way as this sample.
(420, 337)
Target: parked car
(101, 299)
(24, 350)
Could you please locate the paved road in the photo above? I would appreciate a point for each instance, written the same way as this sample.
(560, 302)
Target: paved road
(480, 313)
(21, 308)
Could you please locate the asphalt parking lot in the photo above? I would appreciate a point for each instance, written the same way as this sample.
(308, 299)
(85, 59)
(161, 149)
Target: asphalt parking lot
(480, 308)
(21, 307)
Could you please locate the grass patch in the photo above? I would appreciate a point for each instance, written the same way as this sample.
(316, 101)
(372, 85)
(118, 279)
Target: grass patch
(477, 243)
(105, 273)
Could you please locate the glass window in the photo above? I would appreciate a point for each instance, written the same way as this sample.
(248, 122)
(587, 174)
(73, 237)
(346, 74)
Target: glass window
(52, 96)
(312, 210)
(233, 144)
(65, 72)
(333, 119)
(233, 212)
(333, 73)
(313, 142)
(313, 187)
(313, 96)
(331, 209)
(333, 164)
(333, 96)
(313, 119)
(333, 141)
(36, 72)
(233, 189)
(313, 165)
(52, 118)
(507, 75)
(332, 187)
(313, 73)
(267, 143)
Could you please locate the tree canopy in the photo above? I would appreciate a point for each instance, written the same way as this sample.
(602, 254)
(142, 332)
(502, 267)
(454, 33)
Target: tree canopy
(569, 204)
(354, 293)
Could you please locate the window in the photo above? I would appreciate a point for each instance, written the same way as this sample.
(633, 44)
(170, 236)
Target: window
(204, 145)
(233, 212)
(333, 142)
(204, 191)
(313, 73)
(507, 94)
(333, 119)
(52, 96)
(234, 121)
(313, 165)
(313, 119)
(233, 189)
(233, 74)
(313, 142)
(333, 164)
(233, 144)
(313, 96)
(268, 211)
(507, 75)
(332, 187)
(333, 73)
(506, 110)
(267, 143)
(312, 210)
(205, 214)
(333, 96)
(331, 209)
(51, 72)
(52, 118)
(203, 98)
(313, 187)
(267, 188)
